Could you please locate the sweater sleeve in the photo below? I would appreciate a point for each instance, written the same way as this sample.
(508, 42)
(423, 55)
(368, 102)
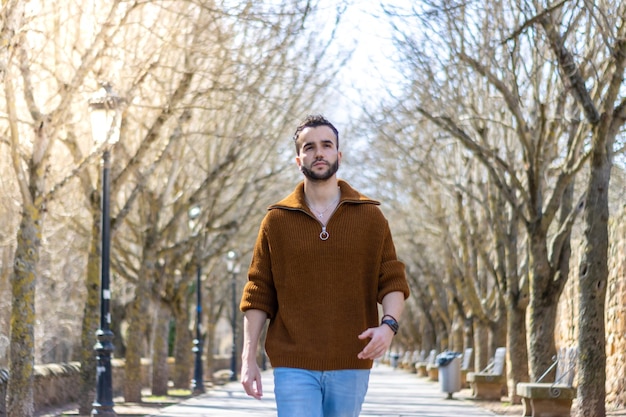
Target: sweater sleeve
(259, 292)
(392, 272)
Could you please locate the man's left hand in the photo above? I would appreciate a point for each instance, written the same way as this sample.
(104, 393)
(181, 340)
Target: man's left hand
(380, 340)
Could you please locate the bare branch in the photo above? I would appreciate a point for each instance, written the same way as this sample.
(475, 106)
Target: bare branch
(570, 73)
(534, 20)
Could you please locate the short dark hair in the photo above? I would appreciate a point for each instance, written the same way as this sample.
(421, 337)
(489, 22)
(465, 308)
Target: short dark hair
(313, 120)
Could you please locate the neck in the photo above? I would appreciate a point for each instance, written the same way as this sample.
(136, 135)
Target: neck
(321, 192)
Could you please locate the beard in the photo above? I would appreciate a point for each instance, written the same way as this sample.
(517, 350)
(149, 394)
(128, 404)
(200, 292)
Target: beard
(313, 176)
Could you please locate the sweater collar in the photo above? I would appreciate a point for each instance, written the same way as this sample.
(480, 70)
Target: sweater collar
(296, 200)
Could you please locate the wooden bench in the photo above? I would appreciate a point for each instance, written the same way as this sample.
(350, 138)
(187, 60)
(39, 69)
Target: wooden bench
(465, 366)
(421, 367)
(490, 383)
(432, 368)
(551, 399)
(407, 360)
(410, 359)
(415, 358)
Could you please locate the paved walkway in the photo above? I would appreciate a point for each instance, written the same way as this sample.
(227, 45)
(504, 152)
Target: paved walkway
(392, 393)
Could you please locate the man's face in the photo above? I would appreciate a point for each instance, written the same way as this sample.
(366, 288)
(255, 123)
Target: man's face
(319, 157)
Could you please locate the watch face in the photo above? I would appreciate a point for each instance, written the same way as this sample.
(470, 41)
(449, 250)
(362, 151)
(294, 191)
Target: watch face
(392, 324)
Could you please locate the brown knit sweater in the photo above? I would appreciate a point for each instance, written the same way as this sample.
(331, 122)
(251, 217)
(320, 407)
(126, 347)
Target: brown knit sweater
(321, 294)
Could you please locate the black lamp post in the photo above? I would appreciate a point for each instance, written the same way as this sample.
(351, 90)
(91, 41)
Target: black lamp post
(197, 383)
(233, 268)
(105, 124)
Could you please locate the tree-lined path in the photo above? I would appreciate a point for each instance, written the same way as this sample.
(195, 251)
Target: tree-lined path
(392, 393)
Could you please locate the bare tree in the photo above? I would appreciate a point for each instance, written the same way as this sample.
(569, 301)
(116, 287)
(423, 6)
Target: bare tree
(227, 79)
(495, 87)
(36, 130)
(488, 90)
(605, 114)
(441, 201)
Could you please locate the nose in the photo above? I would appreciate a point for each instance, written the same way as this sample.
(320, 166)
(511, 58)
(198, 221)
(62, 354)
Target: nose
(319, 153)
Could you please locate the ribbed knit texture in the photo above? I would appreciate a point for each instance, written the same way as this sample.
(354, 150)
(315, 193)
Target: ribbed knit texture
(320, 295)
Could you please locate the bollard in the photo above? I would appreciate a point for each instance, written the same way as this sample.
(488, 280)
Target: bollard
(4, 382)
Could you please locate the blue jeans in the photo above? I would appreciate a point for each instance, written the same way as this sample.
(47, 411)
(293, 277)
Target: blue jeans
(303, 393)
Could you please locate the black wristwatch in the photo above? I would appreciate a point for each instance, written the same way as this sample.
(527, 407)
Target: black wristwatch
(391, 322)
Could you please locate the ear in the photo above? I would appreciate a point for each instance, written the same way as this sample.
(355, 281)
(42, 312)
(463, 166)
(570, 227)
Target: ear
(299, 162)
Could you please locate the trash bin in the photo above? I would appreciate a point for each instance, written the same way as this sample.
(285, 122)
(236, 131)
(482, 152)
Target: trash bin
(394, 359)
(449, 372)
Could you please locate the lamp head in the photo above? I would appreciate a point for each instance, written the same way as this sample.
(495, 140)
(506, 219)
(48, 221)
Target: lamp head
(231, 258)
(193, 213)
(106, 118)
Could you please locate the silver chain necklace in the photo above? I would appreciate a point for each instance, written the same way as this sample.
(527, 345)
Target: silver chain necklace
(321, 214)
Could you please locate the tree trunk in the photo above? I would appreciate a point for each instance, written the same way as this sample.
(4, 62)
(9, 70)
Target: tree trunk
(429, 339)
(138, 319)
(498, 333)
(160, 371)
(442, 335)
(457, 334)
(517, 354)
(90, 323)
(22, 339)
(497, 328)
(542, 309)
(183, 360)
(542, 326)
(593, 276)
(468, 334)
(481, 346)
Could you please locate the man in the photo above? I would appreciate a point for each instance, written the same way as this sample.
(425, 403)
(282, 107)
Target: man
(323, 260)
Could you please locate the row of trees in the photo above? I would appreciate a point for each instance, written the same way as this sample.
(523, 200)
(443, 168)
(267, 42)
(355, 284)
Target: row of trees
(212, 92)
(503, 138)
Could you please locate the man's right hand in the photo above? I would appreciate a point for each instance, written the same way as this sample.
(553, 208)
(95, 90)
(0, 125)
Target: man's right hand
(251, 380)
(253, 322)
